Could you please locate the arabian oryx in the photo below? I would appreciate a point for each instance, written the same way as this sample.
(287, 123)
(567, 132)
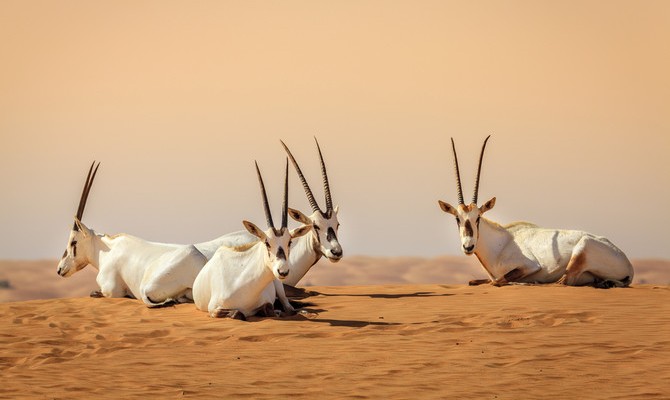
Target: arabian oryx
(127, 266)
(525, 253)
(306, 250)
(238, 281)
(322, 240)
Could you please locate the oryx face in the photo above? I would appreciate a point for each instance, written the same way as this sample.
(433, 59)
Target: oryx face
(325, 222)
(276, 241)
(467, 219)
(278, 245)
(325, 227)
(325, 231)
(75, 256)
(468, 216)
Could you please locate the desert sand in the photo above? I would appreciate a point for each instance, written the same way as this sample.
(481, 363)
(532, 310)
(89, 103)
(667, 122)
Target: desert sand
(350, 342)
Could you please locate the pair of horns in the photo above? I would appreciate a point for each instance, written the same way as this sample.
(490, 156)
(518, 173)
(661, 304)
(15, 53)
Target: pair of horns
(84, 193)
(458, 173)
(305, 185)
(266, 205)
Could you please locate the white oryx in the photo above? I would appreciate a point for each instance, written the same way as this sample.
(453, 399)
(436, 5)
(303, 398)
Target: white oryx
(322, 240)
(238, 281)
(523, 252)
(128, 266)
(307, 250)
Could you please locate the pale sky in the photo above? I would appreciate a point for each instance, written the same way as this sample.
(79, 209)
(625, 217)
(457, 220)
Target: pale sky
(178, 98)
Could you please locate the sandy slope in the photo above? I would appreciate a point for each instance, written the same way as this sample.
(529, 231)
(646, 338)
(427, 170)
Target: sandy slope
(357, 342)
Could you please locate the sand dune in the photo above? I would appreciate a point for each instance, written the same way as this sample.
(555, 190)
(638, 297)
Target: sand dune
(30, 280)
(393, 341)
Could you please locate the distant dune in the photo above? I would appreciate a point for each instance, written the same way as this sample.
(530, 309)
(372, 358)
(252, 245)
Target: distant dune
(350, 342)
(32, 280)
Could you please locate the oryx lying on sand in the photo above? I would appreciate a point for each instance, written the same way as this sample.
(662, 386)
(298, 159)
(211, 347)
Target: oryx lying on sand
(523, 252)
(128, 266)
(306, 250)
(238, 281)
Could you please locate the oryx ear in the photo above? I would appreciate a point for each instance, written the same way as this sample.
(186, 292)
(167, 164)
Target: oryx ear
(446, 207)
(488, 205)
(298, 216)
(254, 230)
(81, 227)
(303, 230)
(336, 209)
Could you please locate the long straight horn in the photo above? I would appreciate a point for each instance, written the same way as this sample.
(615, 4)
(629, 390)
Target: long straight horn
(85, 192)
(266, 206)
(284, 209)
(458, 174)
(479, 170)
(326, 186)
(308, 191)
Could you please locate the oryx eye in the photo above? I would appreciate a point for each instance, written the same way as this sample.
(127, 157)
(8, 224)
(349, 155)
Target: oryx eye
(290, 242)
(458, 220)
(316, 227)
(478, 218)
(267, 244)
(73, 243)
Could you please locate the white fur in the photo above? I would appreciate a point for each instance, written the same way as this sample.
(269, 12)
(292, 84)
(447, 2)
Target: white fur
(244, 279)
(540, 255)
(129, 266)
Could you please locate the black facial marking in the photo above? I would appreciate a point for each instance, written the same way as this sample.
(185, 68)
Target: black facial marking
(331, 235)
(458, 221)
(74, 248)
(281, 254)
(468, 228)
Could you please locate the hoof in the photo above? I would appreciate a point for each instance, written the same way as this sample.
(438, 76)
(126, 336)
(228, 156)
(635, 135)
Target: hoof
(237, 314)
(97, 294)
(289, 313)
(266, 310)
(606, 284)
(477, 282)
(228, 313)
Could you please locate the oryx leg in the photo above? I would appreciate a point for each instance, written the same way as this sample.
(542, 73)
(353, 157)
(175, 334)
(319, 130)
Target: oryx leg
(515, 275)
(227, 313)
(266, 310)
(170, 278)
(593, 263)
(281, 295)
(111, 285)
(158, 292)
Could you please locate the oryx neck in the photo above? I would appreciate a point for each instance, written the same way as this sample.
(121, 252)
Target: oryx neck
(308, 250)
(492, 240)
(101, 245)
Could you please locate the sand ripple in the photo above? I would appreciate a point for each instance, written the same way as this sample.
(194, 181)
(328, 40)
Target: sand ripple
(399, 341)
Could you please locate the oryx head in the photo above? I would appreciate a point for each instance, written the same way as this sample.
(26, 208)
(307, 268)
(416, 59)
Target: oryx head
(75, 256)
(468, 216)
(325, 223)
(276, 241)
